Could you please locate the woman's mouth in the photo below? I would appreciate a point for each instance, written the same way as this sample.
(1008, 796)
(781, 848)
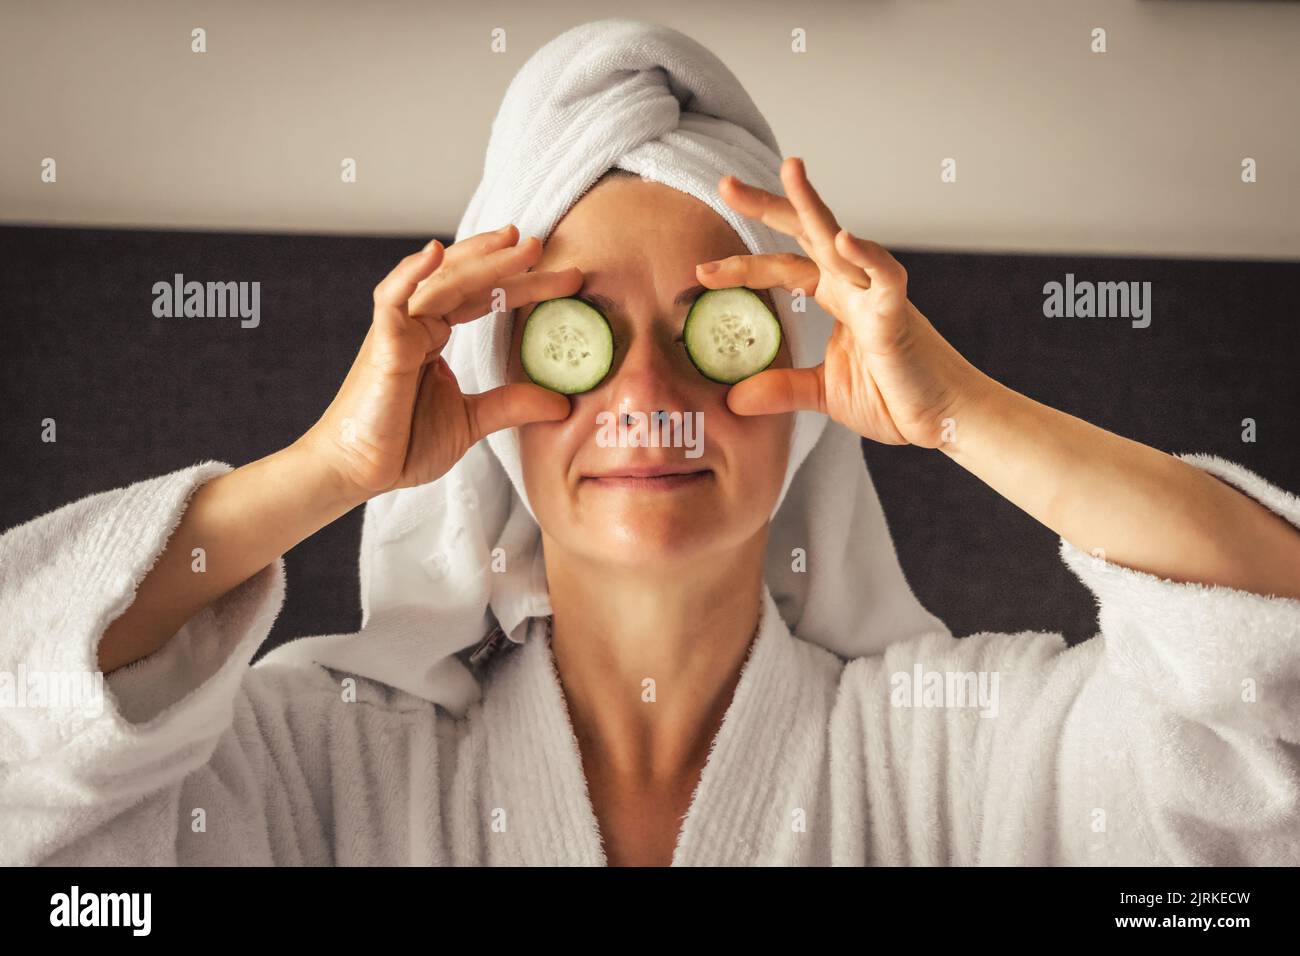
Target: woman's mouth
(649, 478)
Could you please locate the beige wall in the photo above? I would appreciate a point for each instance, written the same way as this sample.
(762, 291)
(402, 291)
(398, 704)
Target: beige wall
(1058, 148)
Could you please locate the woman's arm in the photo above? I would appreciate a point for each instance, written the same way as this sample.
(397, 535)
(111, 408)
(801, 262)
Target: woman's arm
(1119, 499)
(119, 770)
(1171, 740)
(235, 525)
(891, 377)
(398, 420)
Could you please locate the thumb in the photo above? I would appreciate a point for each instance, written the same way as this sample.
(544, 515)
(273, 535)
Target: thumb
(779, 390)
(515, 404)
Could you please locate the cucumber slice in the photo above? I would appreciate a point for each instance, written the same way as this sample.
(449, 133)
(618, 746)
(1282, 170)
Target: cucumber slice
(567, 346)
(731, 334)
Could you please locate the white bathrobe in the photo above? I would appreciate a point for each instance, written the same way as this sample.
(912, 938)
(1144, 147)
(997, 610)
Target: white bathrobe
(1173, 737)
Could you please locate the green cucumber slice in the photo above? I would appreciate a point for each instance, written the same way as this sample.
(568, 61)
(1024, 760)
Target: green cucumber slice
(731, 334)
(567, 346)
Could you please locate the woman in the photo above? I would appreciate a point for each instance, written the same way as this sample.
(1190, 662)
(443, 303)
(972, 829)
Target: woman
(695, 660)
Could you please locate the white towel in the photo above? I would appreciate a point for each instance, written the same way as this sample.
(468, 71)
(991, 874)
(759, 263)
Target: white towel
(648, 99)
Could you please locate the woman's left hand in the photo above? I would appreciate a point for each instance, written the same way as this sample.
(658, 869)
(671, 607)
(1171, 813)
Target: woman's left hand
(888, 374)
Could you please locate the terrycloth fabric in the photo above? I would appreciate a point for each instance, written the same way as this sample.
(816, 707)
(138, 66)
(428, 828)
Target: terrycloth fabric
(1171, 738)
(648, 99)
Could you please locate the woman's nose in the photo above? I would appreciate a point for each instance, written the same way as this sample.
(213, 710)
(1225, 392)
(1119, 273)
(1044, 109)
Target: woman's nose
(646, 379)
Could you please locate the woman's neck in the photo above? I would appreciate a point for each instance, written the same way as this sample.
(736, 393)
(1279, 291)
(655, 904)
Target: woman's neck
(649, 661)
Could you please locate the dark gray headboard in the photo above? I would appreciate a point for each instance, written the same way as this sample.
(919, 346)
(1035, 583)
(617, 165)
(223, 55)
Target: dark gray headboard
(134, 396)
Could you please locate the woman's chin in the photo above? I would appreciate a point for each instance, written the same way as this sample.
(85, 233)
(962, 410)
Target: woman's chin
(653, 537)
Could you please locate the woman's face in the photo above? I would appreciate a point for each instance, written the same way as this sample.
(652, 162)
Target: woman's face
(637, 244)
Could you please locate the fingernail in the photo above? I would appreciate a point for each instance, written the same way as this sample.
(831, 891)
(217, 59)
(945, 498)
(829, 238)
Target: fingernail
(707, 267)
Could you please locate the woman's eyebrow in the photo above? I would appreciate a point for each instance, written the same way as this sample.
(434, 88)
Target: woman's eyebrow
(604, 304)
(687, 296)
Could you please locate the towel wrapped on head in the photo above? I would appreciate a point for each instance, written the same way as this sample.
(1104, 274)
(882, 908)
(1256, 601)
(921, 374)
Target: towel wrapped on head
(647, 99)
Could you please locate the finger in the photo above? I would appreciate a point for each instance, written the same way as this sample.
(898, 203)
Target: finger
(477, 245)
(439, 334)
(772, 210)
(514, 291)
(395, 289)
(515, 404)
(451, 286)
(755, 203)
(779, 390)
(886, 273)
(482, 243)
(784, 270)
(819, 223)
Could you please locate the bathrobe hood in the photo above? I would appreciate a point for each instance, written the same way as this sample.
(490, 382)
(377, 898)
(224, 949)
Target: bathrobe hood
(444, 563)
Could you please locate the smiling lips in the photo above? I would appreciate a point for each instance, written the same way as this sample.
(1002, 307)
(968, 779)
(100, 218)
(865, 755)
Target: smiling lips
(649, 478)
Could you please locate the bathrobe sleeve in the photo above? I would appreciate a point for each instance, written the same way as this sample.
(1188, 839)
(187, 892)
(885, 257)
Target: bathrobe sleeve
(182, 757)
(1170, 738)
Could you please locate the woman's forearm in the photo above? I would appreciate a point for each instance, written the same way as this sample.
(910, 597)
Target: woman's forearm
(242, 521)
(399, 420)
(1120, 499)
(889, 376)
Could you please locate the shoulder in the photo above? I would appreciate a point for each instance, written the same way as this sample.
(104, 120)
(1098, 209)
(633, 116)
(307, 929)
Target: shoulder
(1020, 663)
(325, 694)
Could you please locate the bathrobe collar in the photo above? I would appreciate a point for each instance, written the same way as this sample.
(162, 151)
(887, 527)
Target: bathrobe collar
(754, 790)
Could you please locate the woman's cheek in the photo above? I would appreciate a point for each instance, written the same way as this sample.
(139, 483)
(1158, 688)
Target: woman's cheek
(761, 452)
(539, 449)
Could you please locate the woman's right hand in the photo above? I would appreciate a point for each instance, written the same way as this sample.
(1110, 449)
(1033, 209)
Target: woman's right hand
(400, 418)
